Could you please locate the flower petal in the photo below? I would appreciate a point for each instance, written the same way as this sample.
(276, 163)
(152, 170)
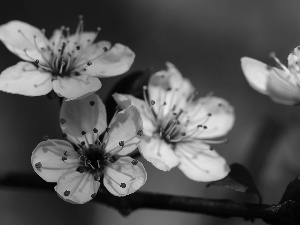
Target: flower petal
(50, 159)
(283, 92)
(148, 118)
(17, 36)
(214, 114)
(25, 79)
(94, 51)
(124, 177)
(75, 87)
(256, 73)
(115, 61)
(83, 115)
(76, 187)
(201, 165)
(125, 127)
(158, 152)
(170, 88)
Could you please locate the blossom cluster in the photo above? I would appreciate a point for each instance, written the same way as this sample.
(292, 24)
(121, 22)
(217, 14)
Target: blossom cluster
(170, 126)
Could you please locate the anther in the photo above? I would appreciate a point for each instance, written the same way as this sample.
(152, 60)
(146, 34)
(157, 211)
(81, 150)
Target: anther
(93, 195)
(95, 130)
(66, 193)
(64, 135)
(105, 49)
(89, 63)
(169, 89)
(121, 143)
(152, 102)
(140, 133)
(209, 114)
(77, 47)
(82, 143)
(183, 133)
(205, 127)
(134, 162)
(64, 158)
(92, 103)
(96, 178)
(46, 138)
(36, 62)
(83, 132)
(199, 125)
(63, 121)
(211, 148)
(38, 165)
(123, 185)
(107, 129)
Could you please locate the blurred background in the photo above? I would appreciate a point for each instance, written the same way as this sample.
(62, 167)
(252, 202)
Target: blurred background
(205, 39)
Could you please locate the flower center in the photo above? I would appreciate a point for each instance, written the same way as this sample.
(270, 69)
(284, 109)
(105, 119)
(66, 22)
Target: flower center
(67, 54)
(181, 125)
(93, 159)
(292, 72)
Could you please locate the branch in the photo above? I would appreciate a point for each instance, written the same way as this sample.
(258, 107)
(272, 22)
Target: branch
(286, 213)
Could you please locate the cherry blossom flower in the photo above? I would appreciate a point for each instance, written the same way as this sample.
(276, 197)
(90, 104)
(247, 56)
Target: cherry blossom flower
(178, 129)
(68, 64)
(80, 164)
(281, 84)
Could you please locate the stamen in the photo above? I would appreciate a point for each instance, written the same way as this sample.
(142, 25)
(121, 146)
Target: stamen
(63, 121)
(38, 165)
(134, 162)
(123, 185)
(86, 139)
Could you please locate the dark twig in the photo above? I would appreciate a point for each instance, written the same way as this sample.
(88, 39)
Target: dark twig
(286, 213)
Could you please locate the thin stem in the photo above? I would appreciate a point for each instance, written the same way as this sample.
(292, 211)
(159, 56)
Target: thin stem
(287, 213)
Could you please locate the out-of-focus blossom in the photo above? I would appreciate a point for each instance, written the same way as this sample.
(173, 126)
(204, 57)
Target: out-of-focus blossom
(178, 129)
(78, 165)
(68, 64)
(281, 84)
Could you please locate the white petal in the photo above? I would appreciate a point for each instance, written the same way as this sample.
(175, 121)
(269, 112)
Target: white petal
(256, 73)
(77, 188)
(50, 159)
(158, 152)
(283, 92)
(75, 87)
(80, 115)
(148, 118)
(219, 122)
(123, 177)
(115, 61)
(201, 165)
(17, 41)
(168, 86)
(94, 51)
(24, 79)
(125, 126)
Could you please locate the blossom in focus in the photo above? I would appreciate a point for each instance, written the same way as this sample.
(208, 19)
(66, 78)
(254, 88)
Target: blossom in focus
(81, 163)
(281, 84)
(178, 129)
(70, 64)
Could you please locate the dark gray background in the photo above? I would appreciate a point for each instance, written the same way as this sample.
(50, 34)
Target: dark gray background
(205, 39)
